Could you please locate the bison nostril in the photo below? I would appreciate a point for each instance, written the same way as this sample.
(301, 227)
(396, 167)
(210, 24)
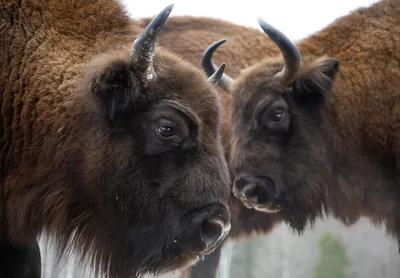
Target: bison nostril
(211, 231)
(252, 192)
(260, 190)
(211, 225)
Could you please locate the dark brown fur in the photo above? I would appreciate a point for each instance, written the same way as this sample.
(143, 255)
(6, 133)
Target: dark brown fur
(353, 152)
(77, 156)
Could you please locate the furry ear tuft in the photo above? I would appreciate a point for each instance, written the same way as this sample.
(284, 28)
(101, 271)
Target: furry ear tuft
(111, 84)
(317, 78)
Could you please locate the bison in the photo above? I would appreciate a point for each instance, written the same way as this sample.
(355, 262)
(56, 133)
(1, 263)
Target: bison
(314, 133)
(194, 35)
(112, 147)
(311, 133)
(324, 138)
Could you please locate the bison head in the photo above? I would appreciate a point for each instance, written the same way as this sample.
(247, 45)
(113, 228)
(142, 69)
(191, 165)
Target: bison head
(150, 183)
(281, 155)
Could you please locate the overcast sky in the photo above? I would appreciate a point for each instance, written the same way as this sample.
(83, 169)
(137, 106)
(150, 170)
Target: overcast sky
(296, 18)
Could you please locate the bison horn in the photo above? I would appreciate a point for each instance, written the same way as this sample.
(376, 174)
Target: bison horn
(217, 75)
(289, 50)
(142, 53)
(210, 68)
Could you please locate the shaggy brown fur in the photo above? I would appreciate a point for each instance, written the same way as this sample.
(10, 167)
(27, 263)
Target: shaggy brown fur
(130, 172)
(331, 147)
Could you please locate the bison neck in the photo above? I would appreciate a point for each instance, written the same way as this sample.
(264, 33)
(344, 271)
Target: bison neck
(362, 114)
(363, 185)
(365, 171)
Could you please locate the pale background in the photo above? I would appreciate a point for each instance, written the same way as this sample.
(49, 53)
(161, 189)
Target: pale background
(295, 18)
(370, 253)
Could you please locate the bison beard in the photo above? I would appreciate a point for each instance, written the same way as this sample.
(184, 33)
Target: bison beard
(111, 148)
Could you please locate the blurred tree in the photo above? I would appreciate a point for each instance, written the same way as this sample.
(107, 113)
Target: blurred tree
(332, 261)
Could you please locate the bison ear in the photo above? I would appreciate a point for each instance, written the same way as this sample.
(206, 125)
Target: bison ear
(112, 86)
(316, 79)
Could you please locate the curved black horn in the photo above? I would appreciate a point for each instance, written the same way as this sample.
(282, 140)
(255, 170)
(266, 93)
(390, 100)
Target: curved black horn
(289, 50)
(210, 68)
(142, 53)
(217, 75)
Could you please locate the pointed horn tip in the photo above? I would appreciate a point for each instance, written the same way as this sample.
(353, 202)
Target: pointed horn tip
(166, 11)
(273, 32)
(169, 8)
(160, 18)
(216, 77)
(222, 67)
(212, 47)
(261, 21)
(216, 44)
(266, 26)
(220, 71)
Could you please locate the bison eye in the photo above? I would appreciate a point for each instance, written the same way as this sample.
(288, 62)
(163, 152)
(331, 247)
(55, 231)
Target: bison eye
(276, 116)
(166, 131)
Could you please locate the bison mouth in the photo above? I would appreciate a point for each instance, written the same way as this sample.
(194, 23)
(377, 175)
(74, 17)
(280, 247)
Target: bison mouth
(198, 257)
(269, 207)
